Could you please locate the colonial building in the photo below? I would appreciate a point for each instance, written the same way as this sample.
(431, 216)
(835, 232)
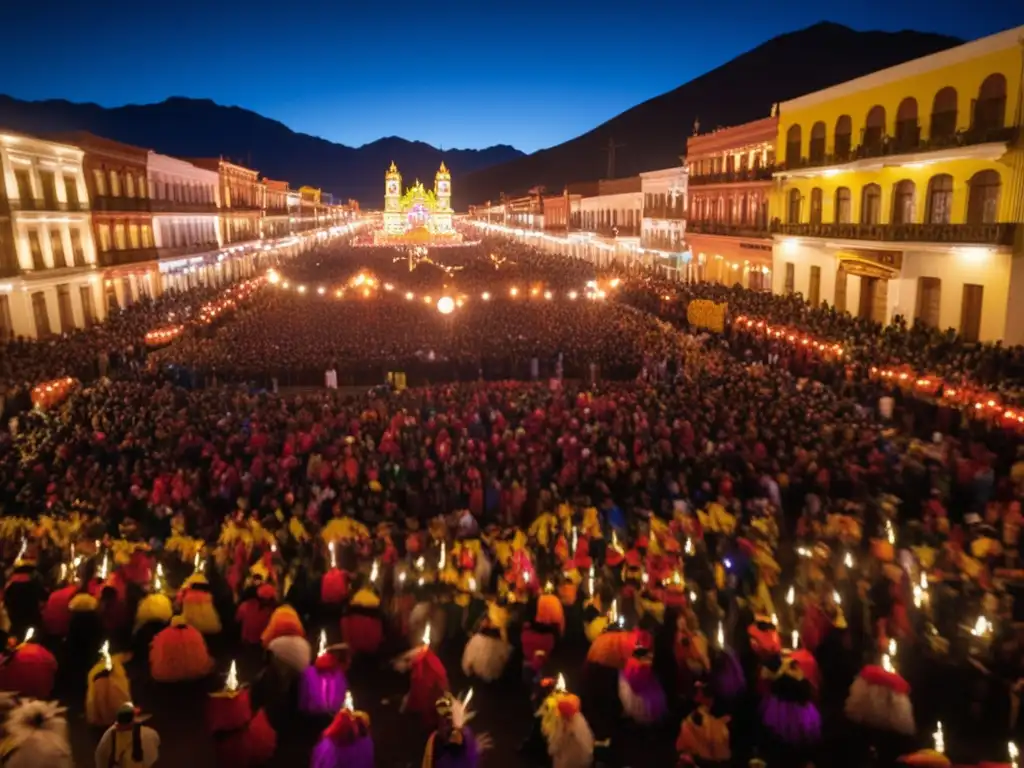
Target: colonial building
(48, 278)
(664, 220)
(729, 183)
(901, 192)
(309, 208)
(526, 212)
(615, 211)
(276, 214)
(240, 198)
(121, 219)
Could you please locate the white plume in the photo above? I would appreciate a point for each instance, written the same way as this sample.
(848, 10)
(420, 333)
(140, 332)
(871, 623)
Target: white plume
(38, 733)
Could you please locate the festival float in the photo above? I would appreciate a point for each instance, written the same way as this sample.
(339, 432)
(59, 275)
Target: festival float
(47, 394)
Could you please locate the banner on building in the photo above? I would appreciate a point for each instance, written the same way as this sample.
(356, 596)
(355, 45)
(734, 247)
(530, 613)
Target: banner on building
(707, 314)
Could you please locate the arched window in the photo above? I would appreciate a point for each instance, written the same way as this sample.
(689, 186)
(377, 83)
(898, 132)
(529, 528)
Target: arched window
(815, 212)
(843, 138)
(990, 108)
(871, 204)
(940, 199)
(943, 125)
(983, 198)
(793, 212)
(793, 146)
(816, 153)
(904, 202)
(874, 128)
(906, 124)
(844, 206)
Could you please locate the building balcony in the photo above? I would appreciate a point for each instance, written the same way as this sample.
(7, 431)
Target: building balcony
(276, 211)
(675, 212)
(115, 258)
(243, 207)
(733, 177)
(908, 143)
(109, 203)
(957, 234)
(178, 206)
(727, 229)
(42, 205)
(173, 252)
(618, 230)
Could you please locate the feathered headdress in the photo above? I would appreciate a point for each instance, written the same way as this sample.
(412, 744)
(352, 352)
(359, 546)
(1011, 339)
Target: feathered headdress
(39, 721)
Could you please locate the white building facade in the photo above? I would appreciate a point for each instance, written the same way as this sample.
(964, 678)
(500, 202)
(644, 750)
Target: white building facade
(48, 278)
(185, 202)
(664, 213)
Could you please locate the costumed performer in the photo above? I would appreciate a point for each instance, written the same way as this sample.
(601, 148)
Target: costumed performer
(569, 738)
(488, 650)
(196, 599)
(27, 668)
(643, 698)
(107, 690)
(428, 681)
(346, 743)
(241, 738)
(323, 684)
(453, 744)
(703, 736)
(253, 614)
(36, 736)
(128, 743)
(179, 653)
(153, 613)
(362, 626)
(879, 701)
(548, 624)
(789, 715)
(285, 639)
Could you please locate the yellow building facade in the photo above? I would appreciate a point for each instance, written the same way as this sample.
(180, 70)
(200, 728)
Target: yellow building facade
(902, 192)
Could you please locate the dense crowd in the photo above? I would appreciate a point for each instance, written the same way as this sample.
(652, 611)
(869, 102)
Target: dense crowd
(731, 551)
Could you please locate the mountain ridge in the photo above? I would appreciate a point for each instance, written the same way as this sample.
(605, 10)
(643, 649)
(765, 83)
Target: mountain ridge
(268, 145)
(653, 133)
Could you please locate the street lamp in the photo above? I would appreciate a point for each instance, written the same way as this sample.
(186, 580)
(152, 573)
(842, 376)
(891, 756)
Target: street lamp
(445, 305)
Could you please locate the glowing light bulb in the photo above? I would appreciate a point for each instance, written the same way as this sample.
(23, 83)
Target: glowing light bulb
(693, 596)
(322, 649)
(426, 635)
(374, 572)
(590, 582)
(334, 557)
(790, 596)
(443, 559)
(721, 635)
(472, 584)
(231, 684)
(795, 639)
(887, 664)
(486, 296)
(560, 683)
(848, 560)
(108, 663)
(401, 577)
(349, 704)
(688, 549)
(29, 634)
(1014, 755)
(836, 597)
(940, 738)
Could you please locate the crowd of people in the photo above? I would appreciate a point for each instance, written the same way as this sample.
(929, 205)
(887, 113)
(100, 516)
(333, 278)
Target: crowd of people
(701, 548)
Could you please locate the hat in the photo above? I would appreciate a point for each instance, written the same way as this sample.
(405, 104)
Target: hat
(129, 714)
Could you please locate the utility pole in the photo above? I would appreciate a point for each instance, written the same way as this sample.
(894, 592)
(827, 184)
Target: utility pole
(612, 146)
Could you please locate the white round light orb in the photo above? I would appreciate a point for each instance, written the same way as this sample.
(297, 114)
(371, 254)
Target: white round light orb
(445, 305)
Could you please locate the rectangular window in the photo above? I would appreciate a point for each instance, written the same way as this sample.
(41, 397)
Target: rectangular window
(129, 185)
(36, 249)
(120, 238)
(115, 184)
(77, 250)
(71, 192)
(57, 248)
(67, 315)
(970, 312)
(41, 315)
(6, 324)
(100, 180)
(790, 277)
(133, 235)
(49, 182)
(24, 182)
(105, 241)
(814, 291)
(929, 292)
(143, 191)
(88, 308)
(147, 236)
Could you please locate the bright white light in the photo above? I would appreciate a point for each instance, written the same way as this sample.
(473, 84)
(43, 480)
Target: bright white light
(321, 290)
(560, 683)
(486, 296)
(445, 305)
(231, 684)
(349, 704)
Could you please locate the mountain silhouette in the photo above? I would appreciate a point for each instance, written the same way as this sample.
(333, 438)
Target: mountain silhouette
(186, 127)
(653, 134)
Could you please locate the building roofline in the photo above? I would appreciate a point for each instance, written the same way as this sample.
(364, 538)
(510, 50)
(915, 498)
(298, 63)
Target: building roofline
(950, 57)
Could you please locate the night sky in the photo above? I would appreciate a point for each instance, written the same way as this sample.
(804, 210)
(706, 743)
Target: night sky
(529, 73)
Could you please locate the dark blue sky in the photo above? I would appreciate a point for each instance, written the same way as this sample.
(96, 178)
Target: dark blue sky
(531, 73)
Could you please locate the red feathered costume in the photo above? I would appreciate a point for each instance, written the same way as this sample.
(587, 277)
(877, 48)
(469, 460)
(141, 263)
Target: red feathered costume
(241, 738)
(427, 683)
(254, 614)
(28, 669)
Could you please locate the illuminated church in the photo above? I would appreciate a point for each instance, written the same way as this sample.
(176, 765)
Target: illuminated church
(419, 215)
